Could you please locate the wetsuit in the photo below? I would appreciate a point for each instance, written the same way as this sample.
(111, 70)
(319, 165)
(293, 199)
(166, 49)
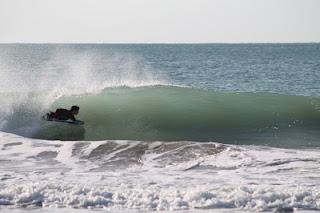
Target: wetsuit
(63, 114)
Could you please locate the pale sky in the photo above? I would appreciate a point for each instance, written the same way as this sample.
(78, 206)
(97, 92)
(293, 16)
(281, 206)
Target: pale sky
(159, 21)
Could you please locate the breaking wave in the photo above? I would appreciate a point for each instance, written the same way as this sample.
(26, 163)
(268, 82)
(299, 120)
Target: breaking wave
(170, 113)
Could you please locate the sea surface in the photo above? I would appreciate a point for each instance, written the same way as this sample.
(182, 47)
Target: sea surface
(190, 127)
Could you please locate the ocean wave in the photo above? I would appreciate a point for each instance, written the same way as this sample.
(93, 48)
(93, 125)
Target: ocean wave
(170, 113)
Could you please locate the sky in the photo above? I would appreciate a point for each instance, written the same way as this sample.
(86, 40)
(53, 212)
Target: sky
(159, 21)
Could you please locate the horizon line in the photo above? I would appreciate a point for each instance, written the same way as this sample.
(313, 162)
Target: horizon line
(311, 42)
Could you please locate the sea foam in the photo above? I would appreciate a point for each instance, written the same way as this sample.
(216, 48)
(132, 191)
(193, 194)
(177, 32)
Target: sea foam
(156, 176)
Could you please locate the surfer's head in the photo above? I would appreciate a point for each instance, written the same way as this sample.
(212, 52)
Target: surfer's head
(75, 110)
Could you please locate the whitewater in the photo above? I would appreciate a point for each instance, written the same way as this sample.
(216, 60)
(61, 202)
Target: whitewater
(208, 127)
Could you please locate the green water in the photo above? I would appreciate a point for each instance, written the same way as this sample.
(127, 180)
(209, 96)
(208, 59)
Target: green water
(173, 113)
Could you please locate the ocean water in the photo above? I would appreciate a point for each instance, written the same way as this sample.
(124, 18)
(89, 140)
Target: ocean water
(190, 127)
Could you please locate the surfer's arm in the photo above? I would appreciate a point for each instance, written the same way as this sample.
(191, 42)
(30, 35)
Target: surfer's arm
(72, 118)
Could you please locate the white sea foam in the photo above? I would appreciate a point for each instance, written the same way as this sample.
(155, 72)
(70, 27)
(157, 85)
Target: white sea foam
(118, 175)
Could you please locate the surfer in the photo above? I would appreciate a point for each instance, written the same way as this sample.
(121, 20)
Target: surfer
(64, 114)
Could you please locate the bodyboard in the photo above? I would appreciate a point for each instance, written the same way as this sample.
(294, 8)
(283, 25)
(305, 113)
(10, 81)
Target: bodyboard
(76, 122)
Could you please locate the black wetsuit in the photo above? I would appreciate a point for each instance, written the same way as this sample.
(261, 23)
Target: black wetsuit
(63, 114)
